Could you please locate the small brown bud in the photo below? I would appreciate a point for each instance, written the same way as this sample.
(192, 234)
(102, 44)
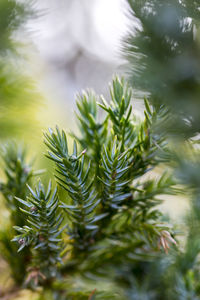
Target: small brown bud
(41, 238)
(84, 151)
(165, 240)
(21, 241)
(33, 209)
(26, 170)
(114, 175)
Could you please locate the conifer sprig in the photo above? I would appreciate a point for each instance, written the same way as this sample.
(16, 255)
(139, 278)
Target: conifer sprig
(114, 177)
(119, 112)
(79, 185)
(93, 131)
(43, 230)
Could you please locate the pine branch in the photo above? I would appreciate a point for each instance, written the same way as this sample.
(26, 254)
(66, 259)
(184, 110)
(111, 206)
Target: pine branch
(42, 232)
(119, 112)
(77, 182)
(93, 132)
(114, 177)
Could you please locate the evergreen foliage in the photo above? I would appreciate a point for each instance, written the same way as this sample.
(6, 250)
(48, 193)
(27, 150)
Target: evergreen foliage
(119, 112)
(77, 182)
(42, 232)
(114, 177)
(105, 237)
(111, 217)
(18, 94)
(163, 55)
(93, 131)
(18, 173)
(12, 15)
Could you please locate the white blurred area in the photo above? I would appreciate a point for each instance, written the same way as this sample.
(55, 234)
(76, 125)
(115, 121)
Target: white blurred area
(78, 44)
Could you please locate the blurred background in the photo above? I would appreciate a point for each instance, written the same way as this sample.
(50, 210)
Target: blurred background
(61, 47)
(75, 45)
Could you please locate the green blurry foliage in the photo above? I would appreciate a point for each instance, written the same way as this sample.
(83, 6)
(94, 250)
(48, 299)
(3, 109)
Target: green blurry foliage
(19, 100)
(18, 173)
(12, 15)
(18, 95)
(163, 53)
